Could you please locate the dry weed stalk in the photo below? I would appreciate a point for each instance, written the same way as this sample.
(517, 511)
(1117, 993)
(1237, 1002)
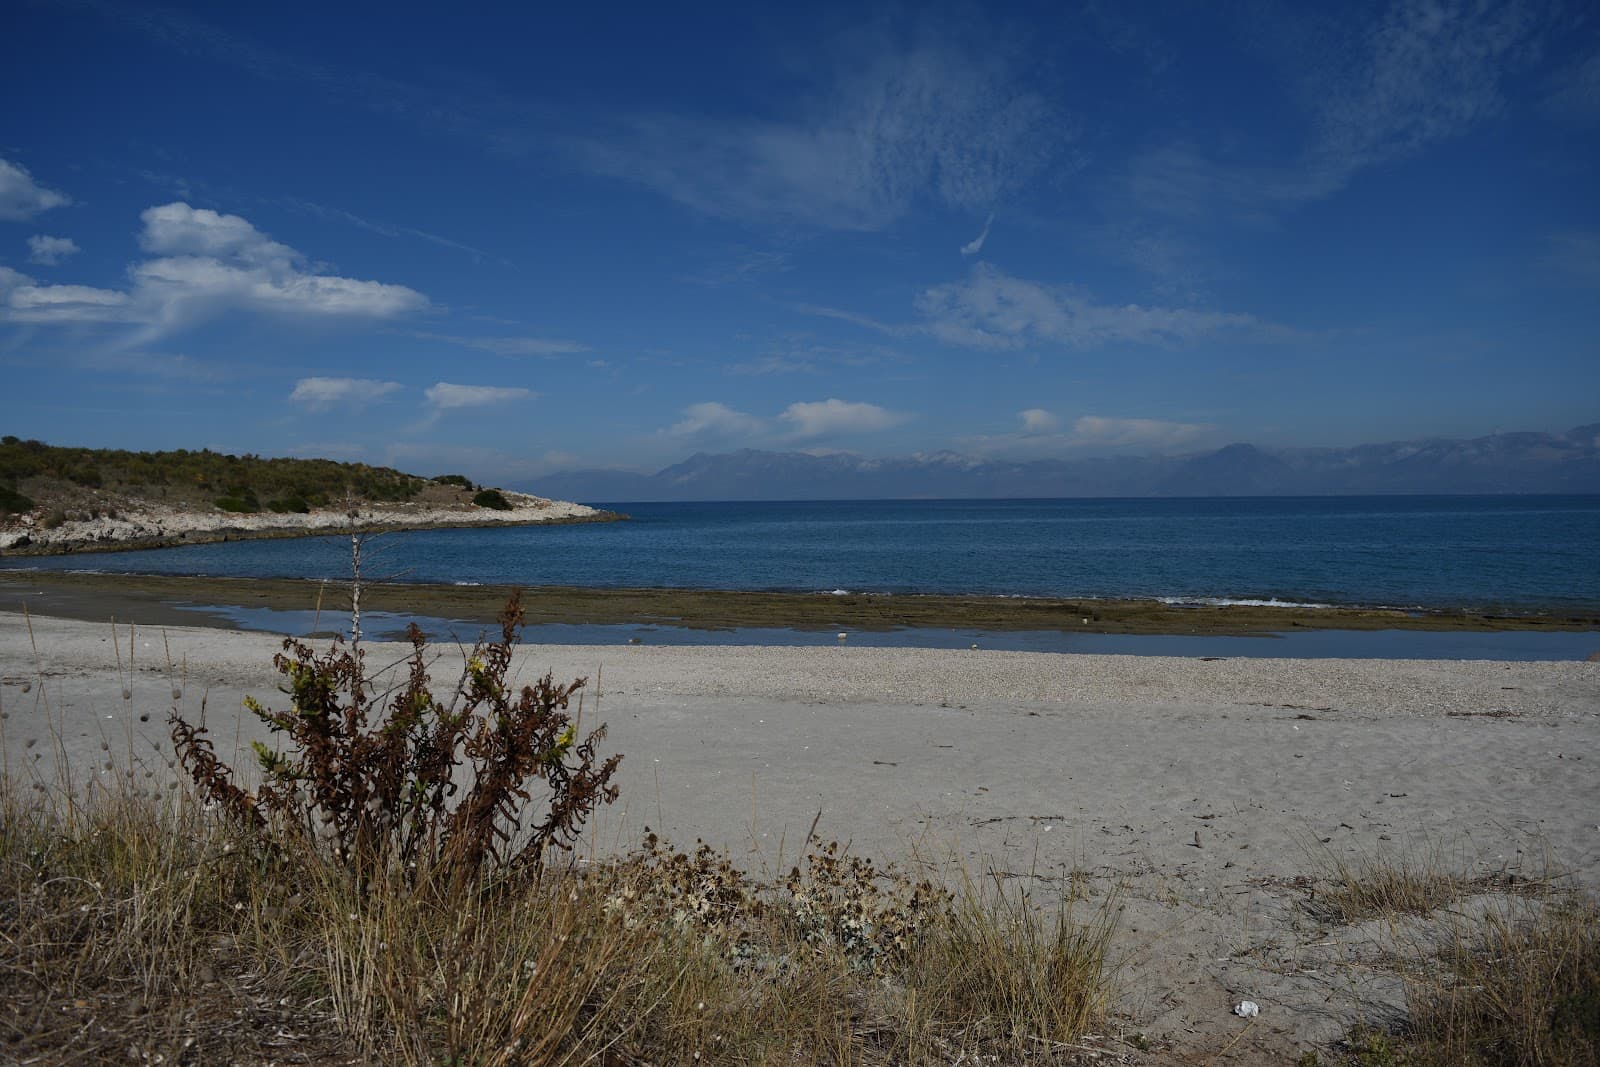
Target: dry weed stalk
(381, 785)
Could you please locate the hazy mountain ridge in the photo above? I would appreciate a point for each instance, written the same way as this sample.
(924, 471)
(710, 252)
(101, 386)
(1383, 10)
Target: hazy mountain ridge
(1522, 462)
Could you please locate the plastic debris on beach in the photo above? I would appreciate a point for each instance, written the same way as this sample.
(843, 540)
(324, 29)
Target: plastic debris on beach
(1247, 1009)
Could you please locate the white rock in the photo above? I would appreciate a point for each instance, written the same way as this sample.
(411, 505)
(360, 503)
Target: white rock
(1247, 1009)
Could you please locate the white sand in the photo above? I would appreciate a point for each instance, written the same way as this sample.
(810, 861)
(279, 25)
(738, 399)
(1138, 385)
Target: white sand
(1008, 762)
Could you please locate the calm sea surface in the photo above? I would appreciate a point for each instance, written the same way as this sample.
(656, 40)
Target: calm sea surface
(1498, 553)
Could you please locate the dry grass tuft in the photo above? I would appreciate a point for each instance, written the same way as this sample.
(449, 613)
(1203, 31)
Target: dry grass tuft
(1499, 969)
(1384, 887)
(136, 932)
(139, 930)
(1520, 987)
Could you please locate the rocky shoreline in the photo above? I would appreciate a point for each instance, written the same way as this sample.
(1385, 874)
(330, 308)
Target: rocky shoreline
(141, 524)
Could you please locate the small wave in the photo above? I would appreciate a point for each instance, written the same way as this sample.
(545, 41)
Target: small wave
(1239, 602)
(466, 583)
(838, 592)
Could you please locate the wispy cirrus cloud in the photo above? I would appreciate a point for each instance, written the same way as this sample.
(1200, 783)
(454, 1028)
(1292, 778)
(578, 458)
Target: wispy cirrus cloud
(799, 355)
(1573, 92)
(387, 229)
(974, 246)
(991, 309)
(322, 394)
(1423, 73)
(745, 266)
(21, 197)
(205, 263)
(893, 123)
(1575, 254)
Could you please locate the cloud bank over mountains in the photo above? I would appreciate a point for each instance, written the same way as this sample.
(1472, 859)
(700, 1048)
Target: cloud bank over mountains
(1502, 463)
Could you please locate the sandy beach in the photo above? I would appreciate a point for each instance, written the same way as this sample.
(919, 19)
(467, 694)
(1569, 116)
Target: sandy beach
(1210, 796)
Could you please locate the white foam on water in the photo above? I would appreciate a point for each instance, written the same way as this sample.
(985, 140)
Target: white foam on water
(1239, 602)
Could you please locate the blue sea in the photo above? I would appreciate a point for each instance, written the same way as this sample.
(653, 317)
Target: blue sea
(1515, 554)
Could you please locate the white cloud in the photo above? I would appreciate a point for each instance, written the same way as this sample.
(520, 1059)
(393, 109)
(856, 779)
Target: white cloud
(1038, 420)
(800, 421)
(774, 363)
(974, 246)
(50, 250)
(1136, 433)
(512, 346)
(21, 198)
(1039, 437)
(447, 395)
(209, 263)
(837, 417)
(213, 261)
(711, 419)
(527, 346)
(23, 300)
(181, 230)
(991, 309)
(892, 124)
(320, 394)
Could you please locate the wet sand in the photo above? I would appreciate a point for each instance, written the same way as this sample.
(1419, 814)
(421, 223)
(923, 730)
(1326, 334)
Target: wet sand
(160, 599)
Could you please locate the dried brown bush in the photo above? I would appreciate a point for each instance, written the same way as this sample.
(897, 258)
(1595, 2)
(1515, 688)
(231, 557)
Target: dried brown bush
(447, 791)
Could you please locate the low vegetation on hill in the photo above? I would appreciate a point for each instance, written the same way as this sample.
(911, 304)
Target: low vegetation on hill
(34, 474)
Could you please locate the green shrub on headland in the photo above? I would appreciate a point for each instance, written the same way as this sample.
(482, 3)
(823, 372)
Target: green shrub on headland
(13, 502)
(493, 499)
(233, 483)
(240, 499)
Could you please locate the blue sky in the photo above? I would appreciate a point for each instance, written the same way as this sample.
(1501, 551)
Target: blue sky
(510, 243)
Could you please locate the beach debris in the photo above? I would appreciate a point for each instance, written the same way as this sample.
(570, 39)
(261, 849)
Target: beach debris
(1247, 1009)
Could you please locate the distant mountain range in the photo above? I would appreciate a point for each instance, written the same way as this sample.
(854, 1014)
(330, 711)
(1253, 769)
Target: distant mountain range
(1502, 463)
